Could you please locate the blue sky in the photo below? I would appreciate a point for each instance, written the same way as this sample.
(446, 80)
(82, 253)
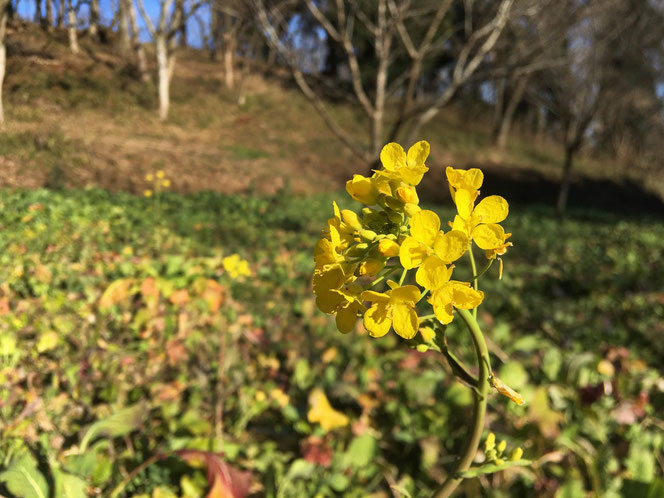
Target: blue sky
(26, 9)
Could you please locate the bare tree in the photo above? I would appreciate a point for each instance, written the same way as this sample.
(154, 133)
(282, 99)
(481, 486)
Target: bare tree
(422, 30)
(93, 27)
(49, 15)
(139, 51)
(71, 27)
(123, 26)
(4, 14)
(163, 34)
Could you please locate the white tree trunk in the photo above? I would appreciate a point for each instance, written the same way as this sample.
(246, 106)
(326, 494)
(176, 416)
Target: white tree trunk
(139, 51)
(163, 75)
(93, 29)
(123, 32)
(73, 35)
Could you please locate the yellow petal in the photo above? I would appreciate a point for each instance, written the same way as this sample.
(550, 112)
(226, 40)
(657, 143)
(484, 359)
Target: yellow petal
(412, 253)
(407, 294)
(460, 224)
(489, 236)
(362, 189)
(322, 412)
(465, 297)
(433, 273)
(388, 248)
(346, 318)
(464, 179)
(492, 209)
(424, 226)
(329, 300)
(441, 300)
(413, 175)
(418, 153)
(464, 202)
(405, 321)
(393, 157)
(332, 277)
(377, 321)
(451, 246)
(375, 297)
(351, 219)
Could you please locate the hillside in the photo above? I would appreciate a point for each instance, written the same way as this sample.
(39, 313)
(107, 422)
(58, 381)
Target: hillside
(80, 121)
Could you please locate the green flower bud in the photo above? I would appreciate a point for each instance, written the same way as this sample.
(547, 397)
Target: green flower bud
(367, 235)
(395, 217)
(422, 348)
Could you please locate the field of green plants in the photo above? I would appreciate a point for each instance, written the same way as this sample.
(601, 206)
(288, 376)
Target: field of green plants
(135, 348)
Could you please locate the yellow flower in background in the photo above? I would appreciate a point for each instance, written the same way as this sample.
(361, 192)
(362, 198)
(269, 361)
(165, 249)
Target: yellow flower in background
(166, 183)
(280, 397)
(454, 294)
(160, 174)
(235, 266)
(147, 193)
(149, 177)
(320, 411)
(394, 308)
(408, 167)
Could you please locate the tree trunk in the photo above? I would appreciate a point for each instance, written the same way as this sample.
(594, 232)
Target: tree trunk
(60, 10)
(566, 180)
(182, 28)
(229, 52)
(93, 29)
(163, 74)
(3, 51)
(49, 15)
(38, 11)
(508, 115)
(498, 108)
(139, 51)
(123, 32)
(71, 21)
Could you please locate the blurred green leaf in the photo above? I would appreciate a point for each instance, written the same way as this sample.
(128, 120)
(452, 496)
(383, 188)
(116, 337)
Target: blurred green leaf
(23, 479)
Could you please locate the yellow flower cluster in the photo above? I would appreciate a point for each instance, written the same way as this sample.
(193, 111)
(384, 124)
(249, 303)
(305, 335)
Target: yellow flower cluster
(236, 267)
(158, 182)
(356, 252)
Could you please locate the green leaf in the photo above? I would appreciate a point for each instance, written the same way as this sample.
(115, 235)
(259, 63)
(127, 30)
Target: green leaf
(571, 489)
(514, 375)
(641, 462)
(491, 468)
(69, 485)
(361, 451)
(338, 482)
(23, 479)
(118, 424)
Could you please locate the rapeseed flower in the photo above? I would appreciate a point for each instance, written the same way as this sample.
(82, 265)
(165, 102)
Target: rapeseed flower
(393, 308)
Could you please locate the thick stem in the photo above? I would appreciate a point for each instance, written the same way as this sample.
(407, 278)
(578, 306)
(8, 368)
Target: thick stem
(479, 408)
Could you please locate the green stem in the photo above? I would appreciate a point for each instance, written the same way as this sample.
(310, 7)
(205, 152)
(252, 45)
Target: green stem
(479, 408)
(423, 295)
(474, 268)
(427, 317)
(403, 277)
(483, 270)
(383, 276)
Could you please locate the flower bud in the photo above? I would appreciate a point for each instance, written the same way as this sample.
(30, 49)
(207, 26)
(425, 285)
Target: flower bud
(516, 454)
(394, 217)
(490, 442)
(388, 248)
(362, 189)
(411, 209)
(407, 194)
(428, 334)
(367, 235)
(499, 461)
(351, 219)
(422, 348)
(370, 267)
(501, 446)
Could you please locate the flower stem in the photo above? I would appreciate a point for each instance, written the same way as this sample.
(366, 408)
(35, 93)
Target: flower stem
(382, 277)
(483, 270)
(423, 295)
(403, 277)
(479, 408)
(427, 317)
(474, 268)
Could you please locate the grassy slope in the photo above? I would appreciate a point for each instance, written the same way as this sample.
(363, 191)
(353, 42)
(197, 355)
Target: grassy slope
(81, 121)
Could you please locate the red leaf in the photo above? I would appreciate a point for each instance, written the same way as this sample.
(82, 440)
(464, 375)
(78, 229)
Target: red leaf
(225, 480)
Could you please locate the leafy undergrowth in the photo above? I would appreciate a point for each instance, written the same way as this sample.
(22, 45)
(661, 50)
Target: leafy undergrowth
(115, 311)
